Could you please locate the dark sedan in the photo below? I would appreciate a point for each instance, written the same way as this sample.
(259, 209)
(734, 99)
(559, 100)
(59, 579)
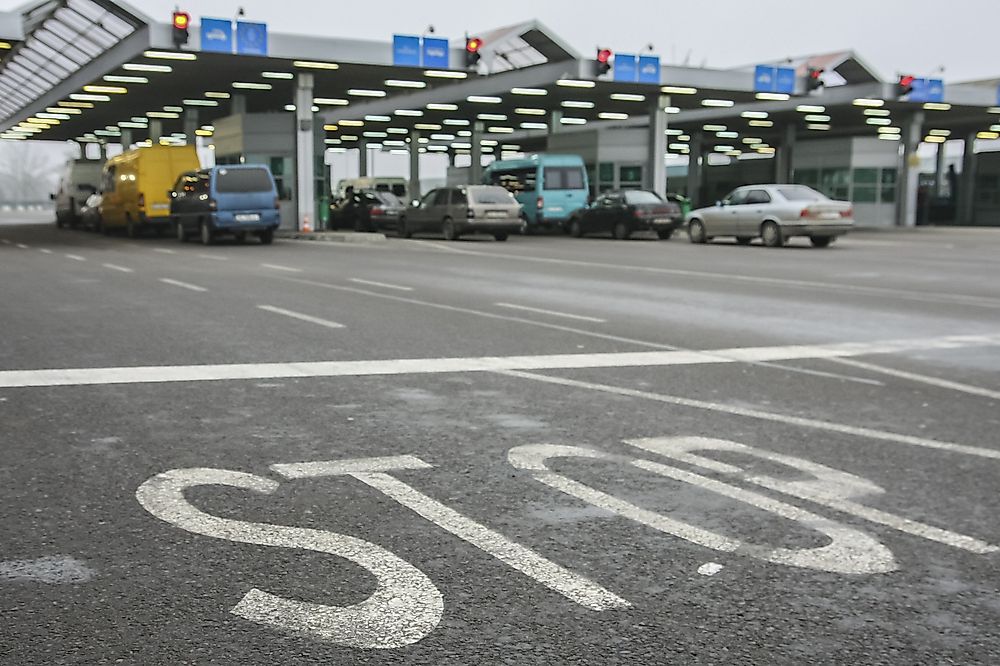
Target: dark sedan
(367, 211)
(623, 213)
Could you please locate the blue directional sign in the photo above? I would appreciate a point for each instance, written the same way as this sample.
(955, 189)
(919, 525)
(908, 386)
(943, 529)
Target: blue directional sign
(626, 68)
(406, 51)
(768, 78)
(649, 69)
(436, 53)
(927, 90)
(216, 35)
(251, 38)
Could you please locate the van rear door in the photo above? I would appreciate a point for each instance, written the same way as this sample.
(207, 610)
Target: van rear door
(244, 189)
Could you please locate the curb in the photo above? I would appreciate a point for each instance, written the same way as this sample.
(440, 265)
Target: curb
(333, 236)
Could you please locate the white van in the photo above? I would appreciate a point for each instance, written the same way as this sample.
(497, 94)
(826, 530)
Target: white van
(81, 179)
(397, 186)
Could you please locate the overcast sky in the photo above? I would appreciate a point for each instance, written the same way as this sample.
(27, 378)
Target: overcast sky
(913, 36)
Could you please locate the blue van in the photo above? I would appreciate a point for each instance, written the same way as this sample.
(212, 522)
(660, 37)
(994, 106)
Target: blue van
(237, 200)
(548, 187)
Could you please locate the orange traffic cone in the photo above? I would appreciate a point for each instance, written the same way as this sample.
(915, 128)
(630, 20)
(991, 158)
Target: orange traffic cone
(307, 226)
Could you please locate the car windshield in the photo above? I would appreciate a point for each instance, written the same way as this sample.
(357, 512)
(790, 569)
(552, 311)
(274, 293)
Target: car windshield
(800, 193)
(639, 197)
(389, 199)
(243, 180)
(491, 195)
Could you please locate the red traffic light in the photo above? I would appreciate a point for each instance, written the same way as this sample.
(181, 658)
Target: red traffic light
(604, 55)
(907, 80)
(181, 20)
(473, 44)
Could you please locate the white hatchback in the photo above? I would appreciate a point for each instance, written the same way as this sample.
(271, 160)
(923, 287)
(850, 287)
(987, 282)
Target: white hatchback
(773, 213)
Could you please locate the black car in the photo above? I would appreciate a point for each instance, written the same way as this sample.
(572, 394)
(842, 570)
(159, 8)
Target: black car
(367, 211)
(622, 213)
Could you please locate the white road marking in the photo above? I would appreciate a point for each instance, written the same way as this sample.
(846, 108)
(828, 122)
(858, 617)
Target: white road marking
(23, 246)
(370, 283)
(163, 250)
(710, 569)
(45, 250)
(182, 285)
(4, 241)
(300, 316)
(923, 379)
(278, 267)
(553, 313)
(869, 433)
(121, 269)
(849, 551)
(75, 257)
(259, 371)
(54, 570)
(829, 487)
(214, 257)
(404, 607)
(373, 472)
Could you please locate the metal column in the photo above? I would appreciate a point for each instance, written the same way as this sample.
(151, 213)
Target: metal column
(238, 104)
(909, 172)
(939, 170)
(656, 168)
(126, 139)
(694, 169)
(305, 152)
(414, 165)
(363, 159)
(191, 125)
(476, 166)
(967, 183)
(783, 158)
(155, 130)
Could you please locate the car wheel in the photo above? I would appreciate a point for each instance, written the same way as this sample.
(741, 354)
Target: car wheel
(822, 241)
(207, 237)
(526, 230)
(402, 230)
(181, 234)
(770, 232)
(696, 232)
(267, 237)
(665, 234)
(575, 229)
(449, 230)
(500, 237)
(744, 240)
(622, 232)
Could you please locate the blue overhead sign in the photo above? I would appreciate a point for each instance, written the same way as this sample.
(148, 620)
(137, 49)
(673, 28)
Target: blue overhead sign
(414, 51)
(406, 51)
(436, 52)
(251, 38)
(649, 69)
(626, 68)
(927, 90)
(774, 79)
(216, 35)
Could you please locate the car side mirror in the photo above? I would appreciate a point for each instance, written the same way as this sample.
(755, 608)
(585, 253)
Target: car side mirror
(720, 204)
(52, 197)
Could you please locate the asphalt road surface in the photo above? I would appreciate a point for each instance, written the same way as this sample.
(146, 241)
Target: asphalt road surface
(543, 451)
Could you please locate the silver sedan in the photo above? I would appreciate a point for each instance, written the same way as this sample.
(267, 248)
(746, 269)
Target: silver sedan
(773, 213)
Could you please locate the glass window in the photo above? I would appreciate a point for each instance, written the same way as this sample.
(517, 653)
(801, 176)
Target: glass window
(888, 186)
(606, 172)
(516, 181)
(736, 198)
(563, 178)
(242, 180)
(758, 197)
(865, 194)
(491, 195)
(800, 193)
(808, 177)
(441, 198)
(639, 197)
(459, 197)
(630, 174)
(428, 199)
(865, 176)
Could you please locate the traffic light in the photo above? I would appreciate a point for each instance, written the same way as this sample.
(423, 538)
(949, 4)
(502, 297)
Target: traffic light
(180, 31)
(814, 79)
(905, 85)
(472, 54)
(603, 63)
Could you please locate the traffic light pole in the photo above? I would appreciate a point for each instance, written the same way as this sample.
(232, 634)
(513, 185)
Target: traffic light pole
(305, 162)
(657, 167)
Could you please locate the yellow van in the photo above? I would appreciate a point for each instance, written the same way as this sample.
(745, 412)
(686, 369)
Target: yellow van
(134, 187)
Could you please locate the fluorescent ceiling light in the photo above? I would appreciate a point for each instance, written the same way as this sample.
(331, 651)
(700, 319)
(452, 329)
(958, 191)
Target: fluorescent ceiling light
(573, 121)
(331, 128)
(106, 90)
(728, 135)
(534, 126)
(817, 118)
(714, 128)
(90, 98)
(530, 112)
(939, 132)
(59, 109)
(880, 113)
(678, 90)
(757, 115)
(378, 119)
(773, 97)
(163, 114)
(169, 55)
(483, 99)
(627, 97)
(457, 122)
(575, 104)
(871, 103)
(937, 106)
(218, 95)
(313, 64)
(442, 107)
(246, 85)
(445, 74)
(761, 123)
(398, 130)
(878, 121)
(575, 83)
(427, 126)
(538, 92)
(890, 130)
(500, 130)
(363, 92)
(821, 127)
(330, 101)
(352, 123)
(411, 113)
(113, 78)
(200, 102)
(492, 116)
(142, 67)
(400, 83)
(612, 116)
(375, 135)
(277, 75)
(810, 108)
(718, 103)
(988, 136)
(78, 105)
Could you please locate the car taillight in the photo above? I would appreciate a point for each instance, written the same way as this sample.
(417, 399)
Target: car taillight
(847, 213)
(637, 213)
(541, 203)
(806, 212)
(469, 213)
(142, 200)
(378, 210)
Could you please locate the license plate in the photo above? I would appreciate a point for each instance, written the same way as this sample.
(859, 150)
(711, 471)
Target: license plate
(248, 217)
(161, 206)
(555, 209)
(661, 220)
(496, 213)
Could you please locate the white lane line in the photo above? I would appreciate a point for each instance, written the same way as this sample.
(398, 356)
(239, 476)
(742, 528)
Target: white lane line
(821, 373)
(214, 257)
(4, 241)
(75, 257)
(45, 250)
(420, 366)
(163, 250)
(23, 246)
(923, 379)
(554, 313)
(121, 269)
(300, 316)
(710, 569)
(370, 283)
(183, 285)
(869, 433)
(278, 267)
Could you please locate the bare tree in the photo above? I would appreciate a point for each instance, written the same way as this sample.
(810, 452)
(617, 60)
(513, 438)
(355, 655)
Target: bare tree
(30, 170)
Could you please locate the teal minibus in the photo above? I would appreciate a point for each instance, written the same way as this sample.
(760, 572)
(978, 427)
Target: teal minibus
(548, 187)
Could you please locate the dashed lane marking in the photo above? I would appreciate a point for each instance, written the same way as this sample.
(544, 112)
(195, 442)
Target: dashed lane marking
(75, 257)
(163, 250)
(4, 241)
(300, 316)
(923, 379)
(45, 250)
(120, 269)
(183, 285)
(278, 267)
(23, 246)
(553, 313)
(213, 257)
(384, 285)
